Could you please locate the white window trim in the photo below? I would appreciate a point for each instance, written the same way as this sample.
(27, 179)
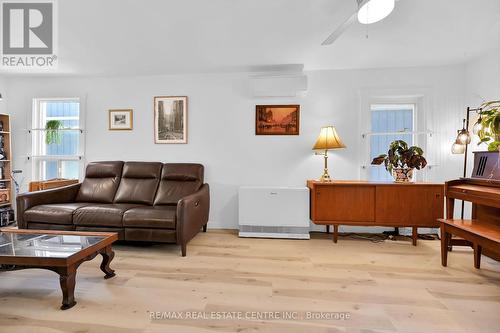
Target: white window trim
(35, 137)
(420, 97)
(385, 107)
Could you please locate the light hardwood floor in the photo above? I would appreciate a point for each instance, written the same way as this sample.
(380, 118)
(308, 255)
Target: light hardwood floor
(385, 287)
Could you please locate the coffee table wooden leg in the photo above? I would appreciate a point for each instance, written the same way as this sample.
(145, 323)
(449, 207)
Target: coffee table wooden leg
(107, 255)
(67, 278)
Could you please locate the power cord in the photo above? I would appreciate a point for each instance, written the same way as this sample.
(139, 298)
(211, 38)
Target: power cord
(374, 238)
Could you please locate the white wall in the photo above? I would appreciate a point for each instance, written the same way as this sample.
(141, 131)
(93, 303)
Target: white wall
(482, 78)
(221, 124)
(482, 83)
(3, 91)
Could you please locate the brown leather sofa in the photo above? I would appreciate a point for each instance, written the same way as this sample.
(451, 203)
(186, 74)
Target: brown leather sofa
(141, 201)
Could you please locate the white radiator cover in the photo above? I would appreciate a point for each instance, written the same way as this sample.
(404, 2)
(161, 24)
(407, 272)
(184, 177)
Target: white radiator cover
(274, 212)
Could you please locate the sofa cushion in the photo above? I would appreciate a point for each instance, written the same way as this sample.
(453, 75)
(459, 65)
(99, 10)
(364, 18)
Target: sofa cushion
(139, 182)
(101, 182)
(107, 215)
(162, 217)
(53, 213)
(177, 181)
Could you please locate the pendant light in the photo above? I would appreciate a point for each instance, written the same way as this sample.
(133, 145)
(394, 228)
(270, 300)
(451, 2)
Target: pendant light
(478, 126)
(463, 136)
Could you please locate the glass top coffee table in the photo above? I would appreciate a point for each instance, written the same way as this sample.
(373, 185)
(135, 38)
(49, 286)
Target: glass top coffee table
(59, 251)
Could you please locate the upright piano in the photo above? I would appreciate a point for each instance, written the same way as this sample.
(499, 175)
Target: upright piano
(482, 231)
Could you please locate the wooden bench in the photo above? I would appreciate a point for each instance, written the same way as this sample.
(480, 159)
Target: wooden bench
(479, 233)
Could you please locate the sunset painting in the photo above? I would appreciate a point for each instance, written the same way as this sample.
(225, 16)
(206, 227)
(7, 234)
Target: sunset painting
(277, 120)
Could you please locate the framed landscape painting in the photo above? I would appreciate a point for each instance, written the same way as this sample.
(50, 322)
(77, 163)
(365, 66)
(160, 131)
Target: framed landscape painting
(277, 119)
(120, 120)
(170, 119)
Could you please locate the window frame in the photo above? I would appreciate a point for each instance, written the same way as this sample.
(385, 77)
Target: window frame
(38, 146)
(420, 97)
(387, 107)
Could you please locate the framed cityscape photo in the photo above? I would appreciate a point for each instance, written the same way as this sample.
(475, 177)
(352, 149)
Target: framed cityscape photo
(170, 119)
(277, 119)
(121, 120)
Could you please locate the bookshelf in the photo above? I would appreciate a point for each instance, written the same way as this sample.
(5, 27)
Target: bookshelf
(6, 197)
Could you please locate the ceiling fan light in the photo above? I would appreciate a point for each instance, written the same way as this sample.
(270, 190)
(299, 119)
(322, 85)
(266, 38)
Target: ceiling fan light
(374, 10)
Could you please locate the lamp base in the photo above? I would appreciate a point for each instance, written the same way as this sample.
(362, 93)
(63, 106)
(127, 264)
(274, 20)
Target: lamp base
(325, 177)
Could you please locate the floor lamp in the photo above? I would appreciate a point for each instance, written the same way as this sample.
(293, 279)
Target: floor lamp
(463, 140)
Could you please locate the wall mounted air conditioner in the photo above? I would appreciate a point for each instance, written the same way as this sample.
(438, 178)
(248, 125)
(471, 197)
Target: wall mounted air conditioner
(279, 85)
(274, 212)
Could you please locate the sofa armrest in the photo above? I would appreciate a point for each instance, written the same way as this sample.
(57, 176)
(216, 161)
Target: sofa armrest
(27, 200)
(192, 215)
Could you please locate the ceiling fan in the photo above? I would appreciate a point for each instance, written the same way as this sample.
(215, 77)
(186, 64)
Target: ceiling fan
(369, 11)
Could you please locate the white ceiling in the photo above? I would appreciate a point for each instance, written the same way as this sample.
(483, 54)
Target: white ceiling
(126, 37)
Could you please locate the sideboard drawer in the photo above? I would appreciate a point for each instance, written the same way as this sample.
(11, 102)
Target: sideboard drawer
(344, 203)
(409, 205)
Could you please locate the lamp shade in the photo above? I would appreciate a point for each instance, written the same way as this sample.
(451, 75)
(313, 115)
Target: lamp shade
(478, 126)
(464, 137)
(457, 148)
(328, 139)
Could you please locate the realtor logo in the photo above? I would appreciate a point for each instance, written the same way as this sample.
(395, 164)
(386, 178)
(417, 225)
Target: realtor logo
(27, 28)
(28, 34)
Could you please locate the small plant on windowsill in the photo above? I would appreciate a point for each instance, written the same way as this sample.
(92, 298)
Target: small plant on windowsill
(401, 160)
(52, 134)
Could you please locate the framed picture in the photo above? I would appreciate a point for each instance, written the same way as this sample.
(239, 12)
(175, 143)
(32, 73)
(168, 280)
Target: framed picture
(277, 119)
(120, 120)
(170, 114)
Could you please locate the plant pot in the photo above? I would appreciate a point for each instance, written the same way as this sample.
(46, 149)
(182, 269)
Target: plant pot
(402, 175)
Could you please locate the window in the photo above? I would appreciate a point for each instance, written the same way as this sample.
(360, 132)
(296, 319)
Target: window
(389, 122)
(59, 157)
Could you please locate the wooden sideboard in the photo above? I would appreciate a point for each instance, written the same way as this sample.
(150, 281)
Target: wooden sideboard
(51, 183)
(364, 203)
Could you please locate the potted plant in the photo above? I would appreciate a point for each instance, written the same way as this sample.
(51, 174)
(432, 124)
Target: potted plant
(489, 124)
(401, 160)
(52, 134)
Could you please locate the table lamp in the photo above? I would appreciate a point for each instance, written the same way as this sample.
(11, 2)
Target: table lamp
(327, 139)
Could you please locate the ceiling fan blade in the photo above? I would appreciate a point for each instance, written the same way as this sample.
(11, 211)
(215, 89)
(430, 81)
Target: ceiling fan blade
(340, 30)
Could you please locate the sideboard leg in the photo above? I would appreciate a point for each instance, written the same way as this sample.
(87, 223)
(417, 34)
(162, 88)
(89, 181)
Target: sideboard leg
(335, 233)
(414, 236)
(327, 229)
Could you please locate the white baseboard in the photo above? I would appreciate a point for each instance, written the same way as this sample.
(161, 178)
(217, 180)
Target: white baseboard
(272, 235)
